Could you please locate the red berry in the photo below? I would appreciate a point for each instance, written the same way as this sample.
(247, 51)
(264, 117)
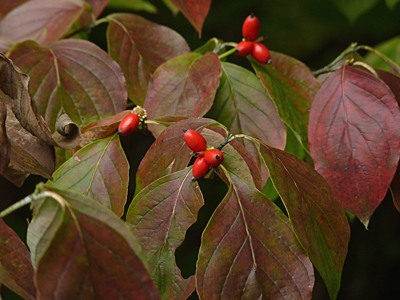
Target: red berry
(200, 167)
(194, 140)
(251, 28)
(244, 48)
(213, 157)
(128, 124)
(261, 53)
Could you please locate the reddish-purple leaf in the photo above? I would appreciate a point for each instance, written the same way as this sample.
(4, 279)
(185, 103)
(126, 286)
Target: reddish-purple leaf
(160, 215)
(43, 21)
(317, 217)
(100, 171)
(9, 5)
(75, 76)
(292, 87)
(249, 251)
(16, 270)
(97, 6)
(393, 83)
(5, 146)
(184, 86)
(139, 47)
(81, 250)
(355, 138)
(194, 10)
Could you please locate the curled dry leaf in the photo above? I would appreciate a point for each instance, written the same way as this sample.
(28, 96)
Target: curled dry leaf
(29, 154)
(14, 84)
(5, 146)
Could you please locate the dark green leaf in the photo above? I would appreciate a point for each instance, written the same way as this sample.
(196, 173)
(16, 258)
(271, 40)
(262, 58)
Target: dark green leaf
(160, 215)
(81, 250)
(292, 87)
(317, 217)
(100, 171)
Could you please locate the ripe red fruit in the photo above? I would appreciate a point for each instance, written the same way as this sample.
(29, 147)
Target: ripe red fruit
(213, 157)
(244, 48)
(200, 167)
(194, 140)
(251, 28)
(128, 124)
(261, 53)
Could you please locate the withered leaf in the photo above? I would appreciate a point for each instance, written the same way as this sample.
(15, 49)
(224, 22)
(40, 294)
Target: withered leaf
(14, 84)
(5, 146)
(29, 154)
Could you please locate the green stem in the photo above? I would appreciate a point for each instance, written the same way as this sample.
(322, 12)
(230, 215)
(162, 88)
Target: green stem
(158, 122)
(331, 67)
(17, 205)
(227, 53)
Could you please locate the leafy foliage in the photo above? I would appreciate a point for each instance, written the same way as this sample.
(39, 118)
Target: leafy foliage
(63, 97)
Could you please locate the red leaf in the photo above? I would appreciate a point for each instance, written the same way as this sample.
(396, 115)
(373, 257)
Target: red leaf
(194, 10)
(139, 47)
(16, 270)
(9, 5)
(355, 138)
(393, 82)
(184, 86)
(75, 76)
(249, 251)
(44, 21)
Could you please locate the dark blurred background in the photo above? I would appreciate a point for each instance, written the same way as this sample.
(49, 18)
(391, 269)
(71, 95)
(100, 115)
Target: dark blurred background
(314, 32)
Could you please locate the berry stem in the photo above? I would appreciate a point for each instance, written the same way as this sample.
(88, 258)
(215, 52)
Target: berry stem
(227, 53)
(229, 138)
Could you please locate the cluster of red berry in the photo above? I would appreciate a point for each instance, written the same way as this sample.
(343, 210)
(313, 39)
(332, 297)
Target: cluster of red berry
(205, 158)
(250, 31)
(128, 124)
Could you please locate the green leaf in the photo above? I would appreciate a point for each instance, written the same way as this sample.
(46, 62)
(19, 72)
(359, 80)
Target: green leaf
(211, 45)
(183, 86)
(74, 76)
(390, 49)
(391, 3)
(160, 215)
(353, 9)
(16, 270)
(100, 171)
(139, 47)
(292, 87)
(171, 7)
(249, 251)
(317, 217)
(82, 250)
(132, 4)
